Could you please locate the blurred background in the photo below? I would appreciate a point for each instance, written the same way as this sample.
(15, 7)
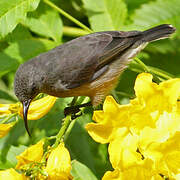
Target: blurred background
(34, 28)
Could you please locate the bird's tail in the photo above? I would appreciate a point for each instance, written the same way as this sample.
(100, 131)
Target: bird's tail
(158, 32)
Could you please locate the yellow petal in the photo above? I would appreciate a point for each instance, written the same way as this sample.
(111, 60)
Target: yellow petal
(5, 128)
(39, 108)
(168, 123)
(143, 171)
(177, 176)
(166, 155)
(173, 161)
(144, 87)
(11, 174)
(32, 154)
(162, 97)
(171, 90)
(140, 117)
(149, 94)
(98, 116)
(4, 109)
(123, 151)
(169, 162)
(110, 105)
(59, 164)
(100, 132)
(112, 175)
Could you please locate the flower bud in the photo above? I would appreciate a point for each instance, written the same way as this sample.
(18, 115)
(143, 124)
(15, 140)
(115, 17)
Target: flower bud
(39, 108)
(59, 164)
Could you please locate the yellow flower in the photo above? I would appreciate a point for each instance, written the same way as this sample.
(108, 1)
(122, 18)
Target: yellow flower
(5, 128)
(142, 171)
(7, 109)
(145, 129)
(39, 108)
(32, 154)
(108, 121)
(11, 174)
(156, 106)
(4, 109)
(59, 164)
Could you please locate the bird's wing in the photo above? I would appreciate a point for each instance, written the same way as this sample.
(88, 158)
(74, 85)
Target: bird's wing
(78, 61)
(120, 42)
(79, 58)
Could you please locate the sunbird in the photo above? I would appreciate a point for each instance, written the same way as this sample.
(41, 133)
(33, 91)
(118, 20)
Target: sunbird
(89, 65)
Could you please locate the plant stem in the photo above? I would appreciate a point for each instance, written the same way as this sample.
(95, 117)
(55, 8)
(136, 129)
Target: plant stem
(68, 131)
(51, 137)
(146, 69)
(160, 72)
(74, 32)
(68, 16)
(154, 70)
(66, 123)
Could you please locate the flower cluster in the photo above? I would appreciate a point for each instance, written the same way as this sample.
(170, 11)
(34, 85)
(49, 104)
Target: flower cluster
(143, 135)
(7, 110)
(36, 165)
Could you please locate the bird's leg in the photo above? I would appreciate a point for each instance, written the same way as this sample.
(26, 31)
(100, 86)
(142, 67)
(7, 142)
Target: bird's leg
(75, 109)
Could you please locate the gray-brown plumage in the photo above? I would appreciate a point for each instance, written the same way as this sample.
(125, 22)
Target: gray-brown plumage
(86, 66)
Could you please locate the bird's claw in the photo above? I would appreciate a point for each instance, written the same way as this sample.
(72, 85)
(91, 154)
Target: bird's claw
(73, 111)
(74, 116)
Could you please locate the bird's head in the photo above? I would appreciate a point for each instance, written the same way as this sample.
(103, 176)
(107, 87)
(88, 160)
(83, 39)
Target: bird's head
(26, 86)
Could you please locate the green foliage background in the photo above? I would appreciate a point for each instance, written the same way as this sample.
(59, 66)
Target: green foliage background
(30, 27)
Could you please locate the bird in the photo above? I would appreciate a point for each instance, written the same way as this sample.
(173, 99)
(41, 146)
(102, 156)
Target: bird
(89, 65)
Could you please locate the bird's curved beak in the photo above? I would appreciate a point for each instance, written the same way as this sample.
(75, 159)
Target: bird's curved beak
(25, 113)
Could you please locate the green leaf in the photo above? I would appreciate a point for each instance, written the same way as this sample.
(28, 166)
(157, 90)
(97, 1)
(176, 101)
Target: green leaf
(45, 22)
(3, 45)
(133, 5)
(105, 14)
(19, 33)
(80, 171)
(8, 155)
(7, 63)
(154, 13)
(26, 49)
(14, 11)
(5, 95)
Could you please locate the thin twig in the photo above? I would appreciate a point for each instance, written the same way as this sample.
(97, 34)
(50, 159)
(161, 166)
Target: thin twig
(68, 16)
(66, 123)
